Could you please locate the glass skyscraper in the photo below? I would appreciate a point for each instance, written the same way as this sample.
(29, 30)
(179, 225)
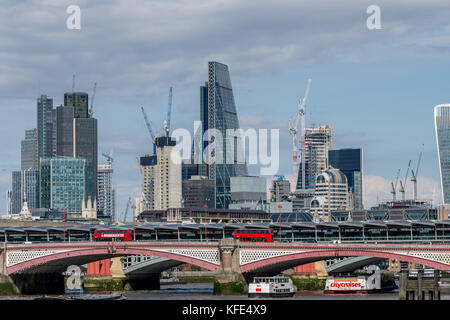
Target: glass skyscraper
(63, 183)
(79, 102)
(30, 180)
(77, 137)
(442, 127)
(17, 192)
(85, 133)
(46, 127)
(218, 111)
(350, 162)
(29, 151)
(64, 131)
(105, 201)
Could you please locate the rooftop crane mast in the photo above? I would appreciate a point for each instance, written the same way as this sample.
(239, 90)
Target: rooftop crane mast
(149, 127)
(394, 187)
(414, 174)
(166, 123)
(403, 185)
(293, 131)
(91, 112)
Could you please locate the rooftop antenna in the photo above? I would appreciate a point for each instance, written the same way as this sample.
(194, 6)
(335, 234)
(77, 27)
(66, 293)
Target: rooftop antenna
(73, 83)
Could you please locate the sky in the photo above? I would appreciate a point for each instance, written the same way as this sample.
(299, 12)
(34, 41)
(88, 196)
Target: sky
(376, 88)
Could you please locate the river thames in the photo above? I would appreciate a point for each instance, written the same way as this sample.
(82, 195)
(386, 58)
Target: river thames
(204, 291)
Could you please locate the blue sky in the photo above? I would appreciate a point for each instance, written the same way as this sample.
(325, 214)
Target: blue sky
(377, 88)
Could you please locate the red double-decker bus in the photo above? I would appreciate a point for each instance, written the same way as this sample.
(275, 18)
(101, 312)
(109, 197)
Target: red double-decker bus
(113, 235)
(254, 235)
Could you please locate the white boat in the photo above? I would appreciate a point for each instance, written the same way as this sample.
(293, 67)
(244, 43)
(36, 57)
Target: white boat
(365, 283)
(273, 287)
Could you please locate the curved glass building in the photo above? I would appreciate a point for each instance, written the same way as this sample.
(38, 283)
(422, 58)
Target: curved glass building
(442, 126)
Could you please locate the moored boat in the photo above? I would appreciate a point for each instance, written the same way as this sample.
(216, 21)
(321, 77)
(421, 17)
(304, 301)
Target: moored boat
(271, 287)
(363, 283)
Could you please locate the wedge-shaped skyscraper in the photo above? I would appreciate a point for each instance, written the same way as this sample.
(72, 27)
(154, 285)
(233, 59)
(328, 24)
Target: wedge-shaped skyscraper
(218, 111)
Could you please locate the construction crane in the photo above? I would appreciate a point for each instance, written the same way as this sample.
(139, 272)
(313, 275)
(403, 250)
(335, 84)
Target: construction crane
(394, 187)
(415, 173)
(149, 127)
(126, 210)
(293, 130)
(91, 112)
(166, 123)
(403, 185)
(109, 159)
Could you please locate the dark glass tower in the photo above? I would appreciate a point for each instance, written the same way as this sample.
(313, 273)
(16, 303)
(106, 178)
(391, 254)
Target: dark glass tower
(218, 111)
(64, 130)
(77, 137)
(29, 151)
(79, 102)
(350, 162)
(17, 192)
(85, 133)
(46, 127)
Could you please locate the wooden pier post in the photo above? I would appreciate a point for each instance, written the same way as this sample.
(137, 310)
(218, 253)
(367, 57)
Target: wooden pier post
(402, 293)
(420, 295)
(437, 293)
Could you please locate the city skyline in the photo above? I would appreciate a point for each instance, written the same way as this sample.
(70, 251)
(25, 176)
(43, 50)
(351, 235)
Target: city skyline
(397, 87)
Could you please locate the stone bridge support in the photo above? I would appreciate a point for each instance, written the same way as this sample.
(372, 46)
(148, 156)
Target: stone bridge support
(230, 270)
(3, 273)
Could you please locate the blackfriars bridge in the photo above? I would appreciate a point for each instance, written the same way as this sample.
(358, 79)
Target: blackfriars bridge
(30, 263)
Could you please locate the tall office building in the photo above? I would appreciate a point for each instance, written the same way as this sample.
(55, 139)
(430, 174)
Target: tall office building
(148, 166)
(280, 190)
(85, 133)
(167, 177)
(29, 151)
(8, 202)
(25, 186)
(442, 127)
(218, 111)
(64, 131)
(46, 127)
(330, 194)
(79, 102)
(248, 193)
(77, 137)
(105, 201)
(198, 191)
(63, 183)
(350, 163)
(17, 192)
(31, 188)
(188, 170)
(317, 142)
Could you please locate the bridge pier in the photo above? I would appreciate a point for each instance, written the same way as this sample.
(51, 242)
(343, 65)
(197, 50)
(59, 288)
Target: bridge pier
(230, 270)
